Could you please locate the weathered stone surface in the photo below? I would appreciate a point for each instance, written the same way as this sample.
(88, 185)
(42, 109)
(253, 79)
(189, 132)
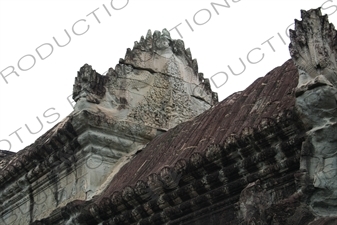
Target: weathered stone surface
(262, 156)
(226, 122)
(313, 48)
(199, 167)
(114, 116)
(324, 221)
(195, 172)
(157, 85)
(254, 201)
(5, 157)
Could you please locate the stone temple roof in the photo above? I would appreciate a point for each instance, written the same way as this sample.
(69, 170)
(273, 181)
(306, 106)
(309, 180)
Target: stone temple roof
(252, 134)
(261, 116)
(267, 101)
(265, 155)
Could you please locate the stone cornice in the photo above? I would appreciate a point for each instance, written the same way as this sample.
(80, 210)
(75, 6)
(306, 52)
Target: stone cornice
(37, 157)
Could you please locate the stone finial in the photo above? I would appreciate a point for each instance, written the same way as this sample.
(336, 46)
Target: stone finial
(313, 50)
(89, 84)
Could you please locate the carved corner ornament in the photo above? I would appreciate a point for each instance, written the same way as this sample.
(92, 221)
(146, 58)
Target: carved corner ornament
(313, 50)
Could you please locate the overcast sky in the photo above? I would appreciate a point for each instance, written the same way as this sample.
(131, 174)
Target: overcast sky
(38, 61)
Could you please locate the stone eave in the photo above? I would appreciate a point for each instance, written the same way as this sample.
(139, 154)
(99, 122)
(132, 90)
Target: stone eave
(202, 175)
(166, 196)
(33, 155)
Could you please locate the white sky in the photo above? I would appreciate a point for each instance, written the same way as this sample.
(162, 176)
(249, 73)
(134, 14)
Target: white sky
(41, 91)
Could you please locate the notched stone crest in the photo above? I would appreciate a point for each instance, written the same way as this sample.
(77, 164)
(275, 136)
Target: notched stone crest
(313, 50)
(157, 84)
